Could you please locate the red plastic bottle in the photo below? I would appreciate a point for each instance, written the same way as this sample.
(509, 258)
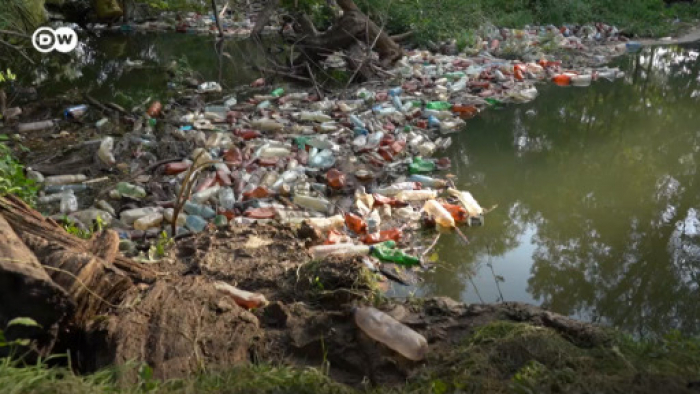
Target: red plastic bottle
(335, 179)
(355, 223)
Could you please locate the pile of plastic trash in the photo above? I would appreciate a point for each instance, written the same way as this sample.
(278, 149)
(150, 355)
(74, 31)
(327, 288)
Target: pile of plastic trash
(360, 168)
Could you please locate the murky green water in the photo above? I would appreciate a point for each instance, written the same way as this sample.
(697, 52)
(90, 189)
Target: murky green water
(596, 188)
(100, 65)
(598, 201)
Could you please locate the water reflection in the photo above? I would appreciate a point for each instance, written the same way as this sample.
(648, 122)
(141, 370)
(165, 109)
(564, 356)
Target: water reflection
(598, 213)
(103, 65)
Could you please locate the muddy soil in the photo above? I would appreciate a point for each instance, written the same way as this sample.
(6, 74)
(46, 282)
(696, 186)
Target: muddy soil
(180, 325)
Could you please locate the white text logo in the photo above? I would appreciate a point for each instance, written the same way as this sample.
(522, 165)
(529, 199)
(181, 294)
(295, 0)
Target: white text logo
(63, 39)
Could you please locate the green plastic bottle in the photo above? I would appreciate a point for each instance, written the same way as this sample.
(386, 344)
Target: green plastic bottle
(220, 221)
(301, 142)
(494, 102)
(129, 190)
(386, 251)
(439, 105)
(453, 76)
(420, 166)
(277, 92)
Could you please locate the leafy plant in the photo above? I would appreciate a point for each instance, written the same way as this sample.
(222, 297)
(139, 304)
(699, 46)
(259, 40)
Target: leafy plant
(12, 177)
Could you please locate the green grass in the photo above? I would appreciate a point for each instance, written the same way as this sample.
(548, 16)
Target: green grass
(502, 357)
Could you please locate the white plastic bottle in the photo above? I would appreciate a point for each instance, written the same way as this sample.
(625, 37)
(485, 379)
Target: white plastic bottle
(387, 330)
(339, 250)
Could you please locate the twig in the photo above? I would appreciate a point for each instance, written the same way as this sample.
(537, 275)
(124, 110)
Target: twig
(313, 78)
(432, 245)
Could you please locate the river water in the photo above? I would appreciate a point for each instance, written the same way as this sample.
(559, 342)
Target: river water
(598, 208)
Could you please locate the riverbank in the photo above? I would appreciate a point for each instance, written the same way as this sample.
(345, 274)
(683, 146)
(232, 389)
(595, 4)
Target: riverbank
(311, 310)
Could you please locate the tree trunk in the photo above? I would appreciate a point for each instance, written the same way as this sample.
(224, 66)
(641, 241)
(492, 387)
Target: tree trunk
(92, 273)
(353, 28)
(216, 18)
(264, 17)
(26, 290)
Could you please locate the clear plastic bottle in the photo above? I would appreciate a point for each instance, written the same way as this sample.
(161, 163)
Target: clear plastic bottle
(195, 223)
(105, 151)
(339, 250)
(169, 215)
(64, 179)
(131, 215)
(467, 200)
(69, 203)
(323, 159)
(326, 224)
(199, 210)
(442, 216)
(312, 203)
(387, 330)
(416, 195)
(148, 221)
(227, 198)
(315, 116)
(374, 221)
(206, 194)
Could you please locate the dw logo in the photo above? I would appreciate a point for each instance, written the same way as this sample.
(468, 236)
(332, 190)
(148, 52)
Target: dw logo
(63, 39)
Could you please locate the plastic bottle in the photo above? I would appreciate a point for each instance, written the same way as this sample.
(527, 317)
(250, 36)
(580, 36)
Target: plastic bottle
(468, 202)
(441, 215)
(273, 151)
(69, 203)
(277, 92)
(339, 250)
(357, 121)
(129, 190)
(35, 126)
(64, 179)
(148, 221)
(416, 195)
(267, 125)
(242, 298)
(227, 198)
(373, 222)
(199, 210)
(206, 194)
(313, 203)
(385, 329)
(326, 224)
(335, 179)
(169, 215)
(315, 116)
(261, 213)
(61, 188)
(355, 223)
(105, 151)
(439, 105)
(154, 109)
(459, 213)
(420, 166)
(386, 251)
(393, 234)
(131, 215)
(258, 192)
(428, 181)
(322, 159)
(195, 223)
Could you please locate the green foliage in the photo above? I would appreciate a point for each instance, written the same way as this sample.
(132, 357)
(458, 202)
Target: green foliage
(72, 229)
(21, 15)
(159, 250)
(434, 20)
(12, 178)
(18, 321)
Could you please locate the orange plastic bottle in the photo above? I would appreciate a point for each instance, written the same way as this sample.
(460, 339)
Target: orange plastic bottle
(335, 178)
(459, 214)
(154, 109)
(562, 79)
(176, 168)
(258, 192)
(355, 223)
(205, 184)
(233, 156)
(384, 200)
(247, 134)
(393, 234)
(335, 237)
(465, 111)
(223, 178)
